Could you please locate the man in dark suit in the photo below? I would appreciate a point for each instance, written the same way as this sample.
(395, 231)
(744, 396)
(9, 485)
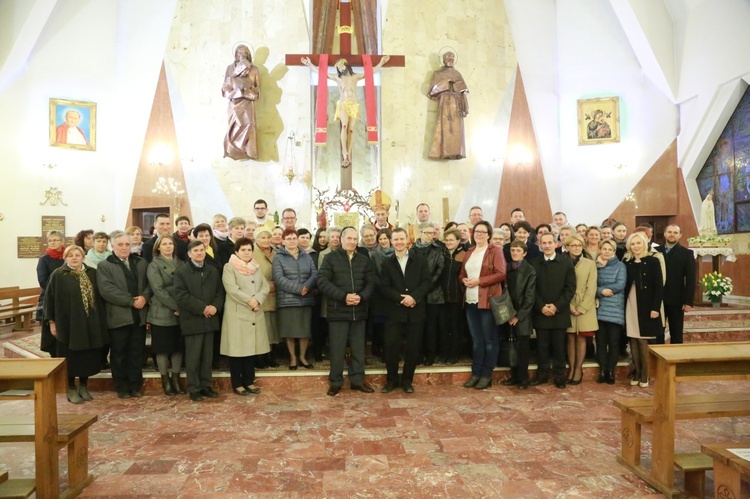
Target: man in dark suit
(405, 282)
(680, 285)
(555, 287)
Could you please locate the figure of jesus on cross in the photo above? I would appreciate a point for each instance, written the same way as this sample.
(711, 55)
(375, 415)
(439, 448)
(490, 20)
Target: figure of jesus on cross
(347, 108)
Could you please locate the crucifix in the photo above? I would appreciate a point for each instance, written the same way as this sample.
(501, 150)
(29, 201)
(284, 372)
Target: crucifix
(358, 17)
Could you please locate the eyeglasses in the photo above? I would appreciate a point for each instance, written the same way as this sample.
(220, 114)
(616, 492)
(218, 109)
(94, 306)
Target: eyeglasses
(575, 246)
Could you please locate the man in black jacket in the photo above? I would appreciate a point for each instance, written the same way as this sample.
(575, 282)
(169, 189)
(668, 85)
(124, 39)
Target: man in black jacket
(431, 251)
(680, 285)
(348, 279)
(200, 296)
(555, 287)
(405, 282)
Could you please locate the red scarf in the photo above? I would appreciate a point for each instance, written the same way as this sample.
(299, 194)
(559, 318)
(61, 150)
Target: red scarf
(55, 254)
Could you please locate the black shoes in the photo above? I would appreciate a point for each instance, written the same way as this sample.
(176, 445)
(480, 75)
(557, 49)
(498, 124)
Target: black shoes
(209, 392)
(136, 393)
(523, 385)
(471, 382)
(408, 388)
(451, 361)
(242, 391)
(602, 378)
(174, 380)
(333, 391)
(196, 396)
(364, 388)
(253, 390)
(483, 383)
(610, 378)
(560, 383)
(167, 386)
(509, 381)
(575, 381)
(388, 388)
(307, 366)
(123, 395)
(540, 380)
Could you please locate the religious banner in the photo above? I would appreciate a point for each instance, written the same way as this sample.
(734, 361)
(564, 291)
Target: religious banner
(370, 102)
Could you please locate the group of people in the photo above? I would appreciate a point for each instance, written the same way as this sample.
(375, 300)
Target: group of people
(414, 291)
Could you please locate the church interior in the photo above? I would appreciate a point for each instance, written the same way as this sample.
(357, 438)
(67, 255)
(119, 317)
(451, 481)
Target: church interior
(148, 77)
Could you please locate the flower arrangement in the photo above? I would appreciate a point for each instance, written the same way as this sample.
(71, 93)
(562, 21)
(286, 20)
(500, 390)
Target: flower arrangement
(709, 241)
(716, 286)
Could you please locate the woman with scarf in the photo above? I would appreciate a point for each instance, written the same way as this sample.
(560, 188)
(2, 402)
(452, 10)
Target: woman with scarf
(295, 277)
(51, 260)
(74, 310)
(136, 239)
(99, 251)
(264, 254)
(243, 330)
(166, 338)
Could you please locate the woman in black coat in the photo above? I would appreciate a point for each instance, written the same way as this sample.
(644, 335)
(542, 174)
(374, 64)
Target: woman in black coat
(74, 310)
(644, 291)
(51, 260)
(521, 279)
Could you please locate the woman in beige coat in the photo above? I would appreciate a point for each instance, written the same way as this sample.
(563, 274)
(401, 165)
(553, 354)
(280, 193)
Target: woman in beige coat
(264, 254)
(582, 307)
(243, 329)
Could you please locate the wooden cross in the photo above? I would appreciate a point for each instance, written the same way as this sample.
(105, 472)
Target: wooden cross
(365, 30)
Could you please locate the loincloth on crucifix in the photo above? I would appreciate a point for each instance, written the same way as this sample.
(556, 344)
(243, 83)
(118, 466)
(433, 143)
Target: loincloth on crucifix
(351, 108)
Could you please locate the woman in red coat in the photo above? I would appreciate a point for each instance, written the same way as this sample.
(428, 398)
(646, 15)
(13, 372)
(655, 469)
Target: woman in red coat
(482, 272)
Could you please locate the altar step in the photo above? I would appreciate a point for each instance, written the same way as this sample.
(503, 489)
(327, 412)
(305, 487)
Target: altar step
(727, 323)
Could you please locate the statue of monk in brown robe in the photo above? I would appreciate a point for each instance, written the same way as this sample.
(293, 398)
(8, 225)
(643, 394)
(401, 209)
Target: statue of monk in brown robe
(449, 90)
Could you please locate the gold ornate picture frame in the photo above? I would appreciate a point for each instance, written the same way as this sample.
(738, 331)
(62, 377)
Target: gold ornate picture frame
(598, 120)
(72, 124)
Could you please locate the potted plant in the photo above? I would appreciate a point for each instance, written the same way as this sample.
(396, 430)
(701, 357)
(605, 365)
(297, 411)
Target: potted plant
(716, 286)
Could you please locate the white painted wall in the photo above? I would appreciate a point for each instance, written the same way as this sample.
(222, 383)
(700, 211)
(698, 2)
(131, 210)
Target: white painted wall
(106, 52)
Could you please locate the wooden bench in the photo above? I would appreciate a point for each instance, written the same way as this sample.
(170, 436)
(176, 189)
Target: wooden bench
(18, 488)
(695, 465)
(18, 306)
(635, 412)
(72, 431)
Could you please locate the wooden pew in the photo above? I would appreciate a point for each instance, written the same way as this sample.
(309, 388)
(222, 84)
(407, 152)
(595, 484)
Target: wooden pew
(72, 431)
(19, 306)
(636, 412)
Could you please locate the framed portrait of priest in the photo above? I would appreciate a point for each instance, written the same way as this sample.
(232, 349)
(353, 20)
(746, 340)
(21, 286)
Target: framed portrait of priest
(598, 121)
(72, 124)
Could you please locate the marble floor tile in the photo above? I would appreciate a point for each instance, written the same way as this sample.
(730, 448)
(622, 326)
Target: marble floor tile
(442, 441)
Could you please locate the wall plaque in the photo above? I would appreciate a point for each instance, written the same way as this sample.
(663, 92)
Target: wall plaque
(29, 247)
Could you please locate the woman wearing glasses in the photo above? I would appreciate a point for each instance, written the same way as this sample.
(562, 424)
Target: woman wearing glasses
(582, 307)
(482, 273)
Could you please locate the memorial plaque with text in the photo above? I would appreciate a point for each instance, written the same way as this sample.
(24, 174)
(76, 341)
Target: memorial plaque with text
(29, 247)
(50, 222)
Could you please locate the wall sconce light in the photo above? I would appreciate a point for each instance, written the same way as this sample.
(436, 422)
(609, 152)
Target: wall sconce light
(287, 171)
(160, 155)
(520, 155)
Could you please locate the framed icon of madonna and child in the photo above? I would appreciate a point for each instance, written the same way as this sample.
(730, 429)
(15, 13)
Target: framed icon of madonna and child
(72, 124)
(598, 120)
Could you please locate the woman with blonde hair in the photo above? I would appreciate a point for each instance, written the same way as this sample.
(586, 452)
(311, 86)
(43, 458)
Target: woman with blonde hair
(582, 307)
(264, 254)
(593, 237)
(51, 260)
(644, 291)
(136, 239)
(610, 288)
(74, 310)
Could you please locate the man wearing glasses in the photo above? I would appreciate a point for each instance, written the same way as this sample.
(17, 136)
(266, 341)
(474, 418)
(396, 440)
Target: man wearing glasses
(260, 207)
(431, 250)
(288, 219)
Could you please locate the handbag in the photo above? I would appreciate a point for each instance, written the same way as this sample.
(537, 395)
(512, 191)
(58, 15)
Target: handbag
(502, 307)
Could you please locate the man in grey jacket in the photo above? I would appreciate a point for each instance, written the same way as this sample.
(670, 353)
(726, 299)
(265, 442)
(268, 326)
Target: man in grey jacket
(122, 282)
